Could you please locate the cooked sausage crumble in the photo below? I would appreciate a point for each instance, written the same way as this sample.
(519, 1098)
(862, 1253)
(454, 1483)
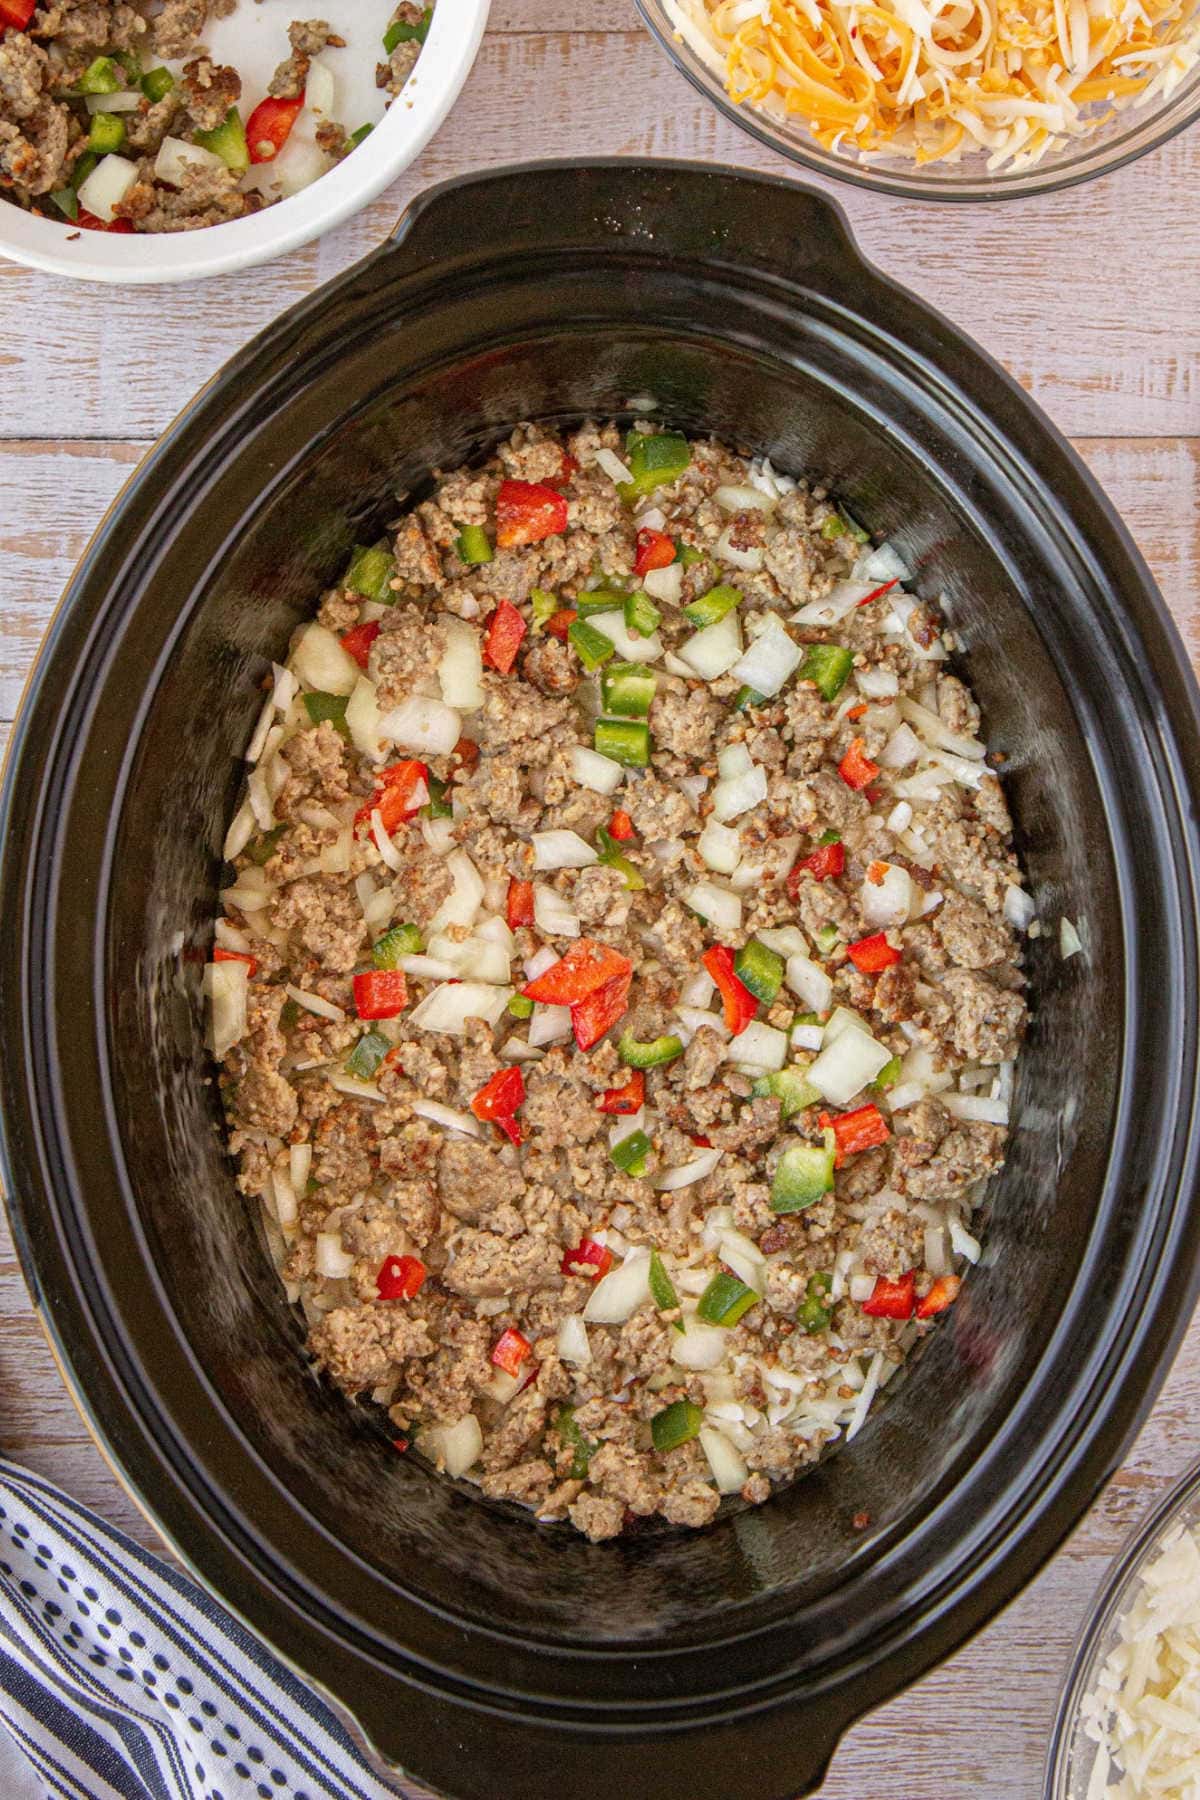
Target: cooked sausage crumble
(619, 985)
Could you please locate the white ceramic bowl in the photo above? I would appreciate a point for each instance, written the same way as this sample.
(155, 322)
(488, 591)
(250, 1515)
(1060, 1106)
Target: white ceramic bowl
(254, 40)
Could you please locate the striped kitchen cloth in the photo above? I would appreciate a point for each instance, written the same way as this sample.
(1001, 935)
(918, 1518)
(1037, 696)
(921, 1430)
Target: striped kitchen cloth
(121, 1680)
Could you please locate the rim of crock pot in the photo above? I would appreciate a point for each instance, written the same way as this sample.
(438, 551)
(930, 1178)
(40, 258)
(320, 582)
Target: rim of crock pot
(978, 1583)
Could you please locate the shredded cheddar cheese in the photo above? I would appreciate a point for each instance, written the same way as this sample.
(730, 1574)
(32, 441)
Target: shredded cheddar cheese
(926, 80)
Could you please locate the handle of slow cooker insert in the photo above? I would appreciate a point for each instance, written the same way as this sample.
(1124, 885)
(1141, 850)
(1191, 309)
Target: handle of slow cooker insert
(670, 209)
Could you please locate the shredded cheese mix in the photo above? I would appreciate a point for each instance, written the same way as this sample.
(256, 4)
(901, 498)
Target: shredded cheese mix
(930, 80)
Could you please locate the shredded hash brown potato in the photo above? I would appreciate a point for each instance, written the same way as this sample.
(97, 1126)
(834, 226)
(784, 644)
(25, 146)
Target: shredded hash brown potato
(937, 80)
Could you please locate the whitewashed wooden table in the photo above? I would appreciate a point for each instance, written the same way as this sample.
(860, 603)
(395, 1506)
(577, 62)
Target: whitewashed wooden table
(1088, 297)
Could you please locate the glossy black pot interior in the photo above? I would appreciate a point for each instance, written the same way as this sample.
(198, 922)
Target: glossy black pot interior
(477, 1650)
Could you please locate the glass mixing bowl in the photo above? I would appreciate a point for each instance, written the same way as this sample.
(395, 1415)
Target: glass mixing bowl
(1120, 140)
(1072, 1752)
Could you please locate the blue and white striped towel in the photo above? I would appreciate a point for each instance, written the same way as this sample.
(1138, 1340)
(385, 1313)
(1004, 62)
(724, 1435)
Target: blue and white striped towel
(122, 1680)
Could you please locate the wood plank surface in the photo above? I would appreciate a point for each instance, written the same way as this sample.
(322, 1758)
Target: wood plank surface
(1088, 297)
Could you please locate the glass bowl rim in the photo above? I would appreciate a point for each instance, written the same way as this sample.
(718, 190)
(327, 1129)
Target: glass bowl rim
(876, 179)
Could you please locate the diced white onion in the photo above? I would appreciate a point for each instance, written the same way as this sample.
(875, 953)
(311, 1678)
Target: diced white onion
(937, 1260)
(900, 817)
(718, 905)
(241, 830)
(665, 584)
(977, 1107)
(480, 959)
(331, 1259)
(767, 864)
(320, 88)
(749, 558)
(807, 1037)
(362, 719)
(1019, 908)
(612, 465)
(866, 1394)
(539, 962)
(358, 1090)
(845, 1066)
(230, 938)
(901, 749)
(552, 914)
(300, 1158)
(171, 165)
(561, 850)
(878, 683)
(733, 760)
(889, 901)
(720, 847)
(935, 731)
(730, 1471)
(599, 773)
(383, 842)
(883, 564)
(834, 606)
(462, 902)
(449, 1116)
(460, 671)
(257, 744)
(427, 968)
(335, 858)
(770, 660)
(225, 986)
(420, 723)
(617, 1295)
(285, 687)
(963, 1244)
(573, 1347)
(695, 1169)
(549, 1025)
(630, 647)
(455, 1447)
(701, 1346)
(759, 1047)
(698, 1018)
(735, 499)
(437, 833)
(322, 664)
(313, 1003)
(1069, 941)
(744, 1257)
(698, 989)
(107, 186)
(448, 1007)
(124, 101)
(734, 797)
(713, 650)
(809, 982)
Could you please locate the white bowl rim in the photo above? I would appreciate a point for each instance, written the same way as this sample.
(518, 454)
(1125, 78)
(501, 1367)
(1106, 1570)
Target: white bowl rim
(397, 140)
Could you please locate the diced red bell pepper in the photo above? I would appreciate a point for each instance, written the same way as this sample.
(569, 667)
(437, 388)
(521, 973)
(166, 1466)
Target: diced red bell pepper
(942, 1294)
(588, 1258)
(393, 796)
(826, 861)
(625, 1099)
(858, 1130)
(739, 1003)
(400, 1444)
(502, 640)
(569, 467)
(498, 1100)
(620, 826)
(527, 512)
(599, 1011)
(467, 752)
(400, 1277)
(893, 1299)
(871, 954)
(90, 222)
(856, 768)
(587, 965)
(16, 13)
(856, 712)
(269, 127)
(559, 623)
(220, 954)
(357, 641)
(520, 904)
(877, 592)
(654, 551)
(380, 993)
(510, 1351)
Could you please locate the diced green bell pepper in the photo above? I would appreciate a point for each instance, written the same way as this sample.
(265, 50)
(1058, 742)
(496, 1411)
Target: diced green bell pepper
(613, 857)
(654, 458)
(367, 1054)
(571, 1435)
(157, 84)
(627, 689)
(803, 1173)
(791, 1087)
(888, 1076)
(400, 32)
(473, 546)
(830, 837)
(437, 806)
(370, 572)
(67, 202)
(642, 617)
(592, 645)
(725, 1300)
(629, 1153)
(260, 850)
(677, 1424)
(626, 741)
(401, 940)
(106, 133)
(828, 665)
(600, 600)
(827, 939)
(83, 168)
(289, 1014)
(662, 1288)
(321, 707)
(638, 1055)
(711, 607)
(520, 1008)
(228, 141)
(543, 606)
(747, 697)
(760, 969)
(687, 554)
(814, 1315)
(103, 76)
(361, 135)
